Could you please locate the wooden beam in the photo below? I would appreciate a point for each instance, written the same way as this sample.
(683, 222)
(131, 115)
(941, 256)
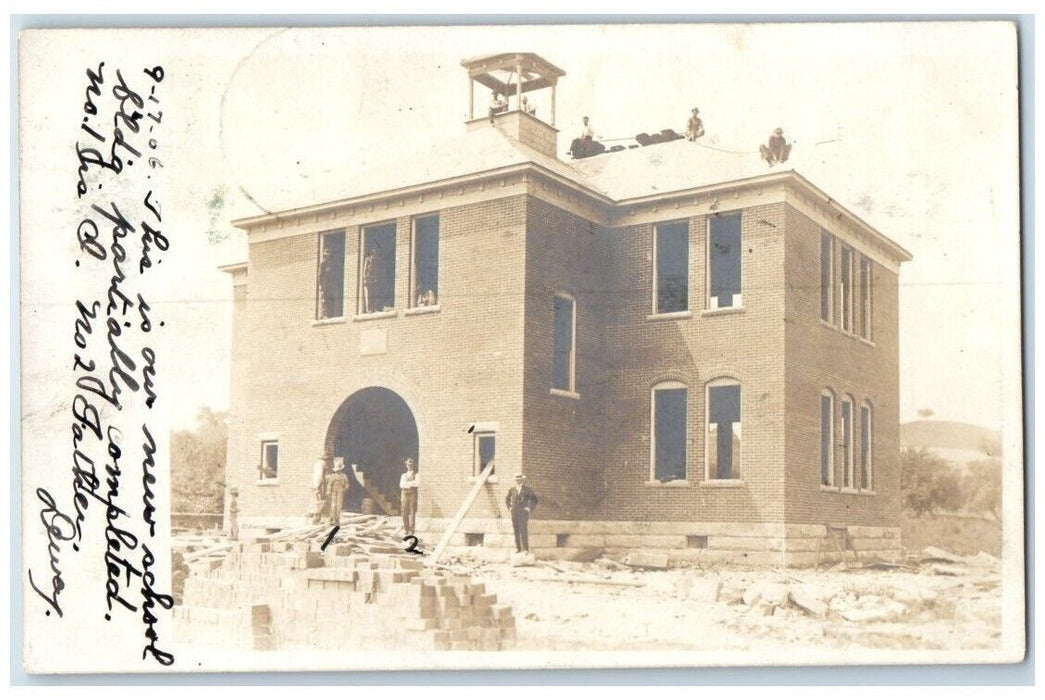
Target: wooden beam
(462, 511)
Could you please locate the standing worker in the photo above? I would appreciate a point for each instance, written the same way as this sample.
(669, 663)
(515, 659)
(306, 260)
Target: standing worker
(319, 495)
(521, 501)
(337, 485)
(233, 515)
(694, 127)
(409, 483)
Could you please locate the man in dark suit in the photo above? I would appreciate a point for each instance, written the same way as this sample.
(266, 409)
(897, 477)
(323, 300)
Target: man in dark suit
(521, 501)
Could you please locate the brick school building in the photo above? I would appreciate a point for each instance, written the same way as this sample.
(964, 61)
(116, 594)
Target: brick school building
(683, 349)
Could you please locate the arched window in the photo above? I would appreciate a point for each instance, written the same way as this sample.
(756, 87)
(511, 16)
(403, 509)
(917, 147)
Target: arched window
(848, 480)
(668, 432)
(722, 446)
(866, 443)
(827, 431)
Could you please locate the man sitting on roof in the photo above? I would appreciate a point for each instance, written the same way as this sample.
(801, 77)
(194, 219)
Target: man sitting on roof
(526, 107)
(586, 145)
(497, 104)
(694, 127)
(777, 150)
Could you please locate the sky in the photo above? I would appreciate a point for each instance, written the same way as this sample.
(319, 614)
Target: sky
(910, 126)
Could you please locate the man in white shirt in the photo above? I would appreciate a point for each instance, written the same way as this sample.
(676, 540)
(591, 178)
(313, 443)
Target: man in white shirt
(409, 483)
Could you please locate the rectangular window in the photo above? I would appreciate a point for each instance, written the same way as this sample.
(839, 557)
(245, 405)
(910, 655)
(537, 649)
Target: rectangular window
(847, 442)
(485, 452)
(846, 288)
(671, 251)
(827, 429)
(377, 269)
(669, 433)
(865, 298)
(563, 344)
(269, 467)
(724, 262)
(827, 273)
(865, 446)
(330, 276)
(426, 261)
(723, 445)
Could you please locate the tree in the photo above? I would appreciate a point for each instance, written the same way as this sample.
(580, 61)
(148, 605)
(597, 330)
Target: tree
(982, 486)
(928, 483)
(198, 465)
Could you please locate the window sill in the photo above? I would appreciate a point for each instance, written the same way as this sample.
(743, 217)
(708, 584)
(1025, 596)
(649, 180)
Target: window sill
(375, 315)
(669, 316)
(677, 484)
(419, 310)
(328, 321)
(848, 490)
(565, 394)
(724, 311)
(865, 341)
(489, 480)
(723, 484)
(268, 482)
(848, 334)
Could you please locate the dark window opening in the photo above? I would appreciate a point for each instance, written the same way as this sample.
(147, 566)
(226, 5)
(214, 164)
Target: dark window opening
(826, 422)
(846, 286)
(697, 541)
(672, 255)
(724, 262)
(377, 275)
(669, 434)
(330, 278)
(865, 298)
(865, 447)
(269, 467)
(847, 442)
(826, 273)
(563, 344)
(562, 540)
(724, 431)
(485, 452)
(474, 539)
(426, 261)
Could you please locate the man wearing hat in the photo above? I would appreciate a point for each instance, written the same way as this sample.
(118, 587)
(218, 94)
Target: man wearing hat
(521, 501)
(777, 150)
(337, 484)
(320, 471)
(409, 483)
(694, 127)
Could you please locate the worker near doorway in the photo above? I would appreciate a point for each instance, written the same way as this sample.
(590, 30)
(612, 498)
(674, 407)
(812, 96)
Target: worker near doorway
(521, 501)
(337, 485)
(320, 472)
(409, 484)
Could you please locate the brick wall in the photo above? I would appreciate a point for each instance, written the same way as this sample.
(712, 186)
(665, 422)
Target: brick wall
(818, 357)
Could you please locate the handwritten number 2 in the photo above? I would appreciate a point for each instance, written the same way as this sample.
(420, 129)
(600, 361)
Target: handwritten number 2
(412, 548)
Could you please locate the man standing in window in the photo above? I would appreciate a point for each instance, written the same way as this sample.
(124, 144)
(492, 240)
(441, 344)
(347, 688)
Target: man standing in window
(409, 483)
(521, 500)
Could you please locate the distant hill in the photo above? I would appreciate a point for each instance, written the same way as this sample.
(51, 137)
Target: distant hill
(951, 438)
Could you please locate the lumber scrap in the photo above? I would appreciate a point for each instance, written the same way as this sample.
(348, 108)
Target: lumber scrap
(461, 512)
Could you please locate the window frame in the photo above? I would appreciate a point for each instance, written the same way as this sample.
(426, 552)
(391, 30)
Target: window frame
(866, 284)
(320, 247)
(477, 435)
(668, 384)
(738, 298)
(656, 268)
(827, 292)
(363, 230)
(846, 293)
(571, 369)
(414, 291)
(848, 443)
(830, 453)
(264, 444)
(867, 439)
(738, 472)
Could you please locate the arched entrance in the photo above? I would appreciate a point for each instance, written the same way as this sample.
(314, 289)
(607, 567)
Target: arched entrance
(375, 430)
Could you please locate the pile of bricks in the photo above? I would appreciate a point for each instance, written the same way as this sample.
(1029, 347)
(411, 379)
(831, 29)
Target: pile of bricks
(283, 595)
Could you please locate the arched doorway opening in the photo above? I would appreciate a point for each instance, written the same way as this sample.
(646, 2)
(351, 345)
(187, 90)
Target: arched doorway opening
(374, 429)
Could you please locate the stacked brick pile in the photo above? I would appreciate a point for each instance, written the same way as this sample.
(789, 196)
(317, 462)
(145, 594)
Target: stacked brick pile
(292, 595)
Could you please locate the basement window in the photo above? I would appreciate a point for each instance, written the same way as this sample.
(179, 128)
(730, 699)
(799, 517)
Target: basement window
(425, 282)
(485, 450)
(671, 268)
(268, 468)
(330, 276)
(473, 539)
(847, 441)
(669, 432)
(724, 262)
(697, 541)
(827, 429)
(562, 540)
(827, 273)
(377, 269)
(724, 433)
(564, 343)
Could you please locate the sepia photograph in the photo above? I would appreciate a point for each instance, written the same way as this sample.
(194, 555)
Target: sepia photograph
(507, 347)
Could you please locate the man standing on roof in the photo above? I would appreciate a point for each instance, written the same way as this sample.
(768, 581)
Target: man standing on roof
(777, 150)
(528, 108)
(497, 104)
(694, 127)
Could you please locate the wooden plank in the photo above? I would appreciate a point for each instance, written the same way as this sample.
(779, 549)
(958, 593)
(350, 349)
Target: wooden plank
(462, 511)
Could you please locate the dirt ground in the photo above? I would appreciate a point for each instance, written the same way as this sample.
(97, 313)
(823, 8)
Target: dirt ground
(736, 609)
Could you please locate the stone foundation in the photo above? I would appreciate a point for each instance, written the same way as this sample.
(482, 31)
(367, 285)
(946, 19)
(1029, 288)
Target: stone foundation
(291, 595)
(757, 544)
